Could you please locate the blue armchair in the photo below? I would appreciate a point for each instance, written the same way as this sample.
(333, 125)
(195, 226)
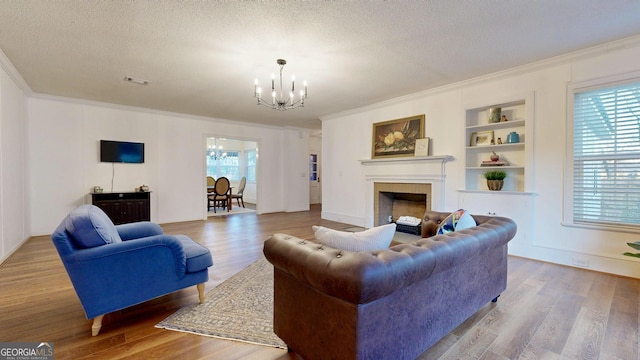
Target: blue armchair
(114, 267)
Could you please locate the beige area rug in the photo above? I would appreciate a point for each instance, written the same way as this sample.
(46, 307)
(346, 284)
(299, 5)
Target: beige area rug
(240, 309)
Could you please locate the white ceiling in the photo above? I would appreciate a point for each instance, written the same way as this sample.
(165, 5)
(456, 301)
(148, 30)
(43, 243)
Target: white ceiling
(201, 57)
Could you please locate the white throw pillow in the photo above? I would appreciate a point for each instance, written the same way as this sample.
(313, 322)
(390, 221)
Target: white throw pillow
(376, 238)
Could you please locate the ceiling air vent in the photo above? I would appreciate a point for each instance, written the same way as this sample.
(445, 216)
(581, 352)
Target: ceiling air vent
(136, 81)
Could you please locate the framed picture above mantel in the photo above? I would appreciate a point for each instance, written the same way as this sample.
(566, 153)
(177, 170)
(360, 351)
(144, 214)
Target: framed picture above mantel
(397, 138)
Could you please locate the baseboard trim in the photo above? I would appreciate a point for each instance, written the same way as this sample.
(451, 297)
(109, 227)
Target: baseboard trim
(15, 248)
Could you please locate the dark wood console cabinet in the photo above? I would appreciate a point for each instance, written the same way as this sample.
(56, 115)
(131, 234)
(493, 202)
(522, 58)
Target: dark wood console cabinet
(124, 207)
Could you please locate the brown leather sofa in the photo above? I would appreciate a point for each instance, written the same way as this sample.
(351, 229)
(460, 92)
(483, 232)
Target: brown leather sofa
(385, 304)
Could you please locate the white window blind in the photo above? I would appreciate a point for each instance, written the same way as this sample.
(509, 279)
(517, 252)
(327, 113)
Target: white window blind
(606, 156)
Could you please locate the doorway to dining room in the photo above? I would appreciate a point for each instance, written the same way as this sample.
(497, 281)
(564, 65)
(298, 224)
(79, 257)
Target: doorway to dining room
(233, 159)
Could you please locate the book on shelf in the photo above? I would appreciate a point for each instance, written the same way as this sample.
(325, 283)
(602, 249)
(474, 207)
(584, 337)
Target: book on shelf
(494, 163)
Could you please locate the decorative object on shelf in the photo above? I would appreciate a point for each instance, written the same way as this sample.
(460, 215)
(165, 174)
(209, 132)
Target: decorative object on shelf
(144, 188)
(280, 101)
(397, 138)
(494, 115)
(97, 189)
(499, 142)
(513, 138)
(495, 161)
(482, 138)
(422, 147)
(487, 163)
(495, 179)
(504, 118)
(635, 245)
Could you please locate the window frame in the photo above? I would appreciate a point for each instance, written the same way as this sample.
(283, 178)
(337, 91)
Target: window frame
(248, 167)
(574, 88)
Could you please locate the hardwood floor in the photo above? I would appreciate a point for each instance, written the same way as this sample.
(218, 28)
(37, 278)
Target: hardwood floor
(547, 312)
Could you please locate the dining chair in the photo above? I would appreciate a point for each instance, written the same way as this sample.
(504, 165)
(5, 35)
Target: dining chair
(211, 182)
(220, 195)
(238, 195)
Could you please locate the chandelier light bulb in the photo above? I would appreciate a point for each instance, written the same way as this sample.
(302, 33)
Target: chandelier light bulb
(215, 151)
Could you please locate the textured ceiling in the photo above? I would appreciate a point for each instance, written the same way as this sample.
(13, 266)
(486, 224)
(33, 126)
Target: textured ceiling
(201, 57)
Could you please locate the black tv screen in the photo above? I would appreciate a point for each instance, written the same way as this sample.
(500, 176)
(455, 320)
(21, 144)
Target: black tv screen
(121, 151)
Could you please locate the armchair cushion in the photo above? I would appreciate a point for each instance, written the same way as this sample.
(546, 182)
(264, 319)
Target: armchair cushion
(89, 227)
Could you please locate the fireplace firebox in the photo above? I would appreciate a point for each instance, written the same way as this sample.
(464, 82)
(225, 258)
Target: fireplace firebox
(392, 200)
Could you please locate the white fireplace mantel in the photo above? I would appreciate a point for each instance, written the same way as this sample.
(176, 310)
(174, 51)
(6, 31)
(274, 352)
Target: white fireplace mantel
(420, 159)
(417, 169)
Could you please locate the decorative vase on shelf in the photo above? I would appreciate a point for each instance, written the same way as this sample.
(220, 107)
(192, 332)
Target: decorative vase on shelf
(494, 115)
(495, 185)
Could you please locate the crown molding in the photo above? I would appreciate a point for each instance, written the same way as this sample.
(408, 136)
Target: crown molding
(541, 64)
(153, 111)
(14, 74)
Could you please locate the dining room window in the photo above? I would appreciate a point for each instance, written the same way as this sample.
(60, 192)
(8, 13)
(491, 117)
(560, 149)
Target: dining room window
(250, 164)
(224, 163)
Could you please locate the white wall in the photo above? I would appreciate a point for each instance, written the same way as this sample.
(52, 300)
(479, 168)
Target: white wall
(63, 140)
(14, 221)
(344, 183)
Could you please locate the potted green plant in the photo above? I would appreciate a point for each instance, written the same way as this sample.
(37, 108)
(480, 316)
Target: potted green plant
(495, 179)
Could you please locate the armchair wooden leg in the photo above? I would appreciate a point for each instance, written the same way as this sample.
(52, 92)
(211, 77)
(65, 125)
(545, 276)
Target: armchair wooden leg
(201, 292)
(97, 325)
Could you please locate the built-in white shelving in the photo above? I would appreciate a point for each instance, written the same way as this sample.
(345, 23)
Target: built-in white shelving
(520, 117)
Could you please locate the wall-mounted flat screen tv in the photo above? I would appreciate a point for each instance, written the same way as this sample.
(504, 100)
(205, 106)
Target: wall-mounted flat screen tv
(121, 151)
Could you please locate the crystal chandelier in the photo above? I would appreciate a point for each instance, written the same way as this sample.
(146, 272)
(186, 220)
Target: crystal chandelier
(278, 100)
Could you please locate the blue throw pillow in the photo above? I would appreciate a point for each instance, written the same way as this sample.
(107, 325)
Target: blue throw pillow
(457, 220)
(89, 227)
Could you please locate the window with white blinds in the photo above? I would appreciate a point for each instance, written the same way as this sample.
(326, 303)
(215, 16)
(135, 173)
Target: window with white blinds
(606, 156)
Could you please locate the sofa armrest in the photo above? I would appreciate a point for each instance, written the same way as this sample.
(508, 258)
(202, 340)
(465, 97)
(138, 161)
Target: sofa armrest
(362, 277)
(138, 230)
